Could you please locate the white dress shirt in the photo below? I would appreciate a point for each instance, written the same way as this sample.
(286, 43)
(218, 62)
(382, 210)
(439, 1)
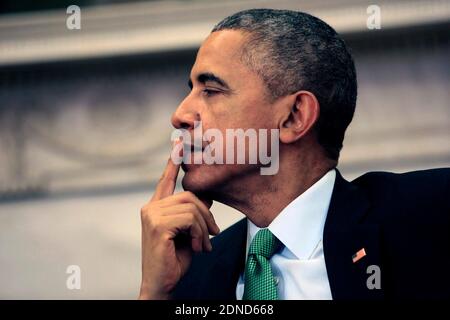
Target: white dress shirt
(299, 267)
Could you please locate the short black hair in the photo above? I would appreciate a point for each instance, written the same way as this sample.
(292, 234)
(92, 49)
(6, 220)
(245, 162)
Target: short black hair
(295, 51)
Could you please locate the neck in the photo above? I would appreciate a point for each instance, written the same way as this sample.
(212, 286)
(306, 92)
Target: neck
(262, 197)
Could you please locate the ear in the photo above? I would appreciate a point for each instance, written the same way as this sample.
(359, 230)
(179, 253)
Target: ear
(303, 114)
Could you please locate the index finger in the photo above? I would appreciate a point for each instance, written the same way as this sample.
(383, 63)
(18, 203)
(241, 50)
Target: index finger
(168, 180)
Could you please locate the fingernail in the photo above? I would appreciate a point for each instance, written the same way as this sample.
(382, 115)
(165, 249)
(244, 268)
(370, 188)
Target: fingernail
(174, 142)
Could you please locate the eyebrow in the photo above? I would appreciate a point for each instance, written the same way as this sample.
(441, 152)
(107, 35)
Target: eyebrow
(209, 77)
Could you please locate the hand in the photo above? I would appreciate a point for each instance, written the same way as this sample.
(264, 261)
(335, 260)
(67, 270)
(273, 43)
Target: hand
(173, 227)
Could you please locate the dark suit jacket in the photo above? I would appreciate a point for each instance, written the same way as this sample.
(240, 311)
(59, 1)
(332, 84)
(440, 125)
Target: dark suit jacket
(401, 220)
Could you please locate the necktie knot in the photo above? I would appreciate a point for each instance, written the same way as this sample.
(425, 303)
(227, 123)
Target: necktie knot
(264, 244)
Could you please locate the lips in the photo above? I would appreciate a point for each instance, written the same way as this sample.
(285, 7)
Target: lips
(194, 147)
(189, 151)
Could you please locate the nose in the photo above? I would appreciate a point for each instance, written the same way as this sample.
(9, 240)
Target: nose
(185, 115)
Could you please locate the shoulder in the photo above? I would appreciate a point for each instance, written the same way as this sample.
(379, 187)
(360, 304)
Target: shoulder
(433, 177)
(408, 201)
(412, 212)
(430, 188)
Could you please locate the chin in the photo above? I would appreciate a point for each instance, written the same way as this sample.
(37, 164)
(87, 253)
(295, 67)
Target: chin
(199, 180)
(213, 181)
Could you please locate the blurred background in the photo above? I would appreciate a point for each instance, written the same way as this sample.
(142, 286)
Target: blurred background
(84, 121)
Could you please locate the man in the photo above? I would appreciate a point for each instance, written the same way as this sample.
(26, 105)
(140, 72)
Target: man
(308, 233)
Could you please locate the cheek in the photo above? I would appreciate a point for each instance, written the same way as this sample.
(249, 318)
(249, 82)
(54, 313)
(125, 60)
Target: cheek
(255, 115)
(228, 113)
(247, 114)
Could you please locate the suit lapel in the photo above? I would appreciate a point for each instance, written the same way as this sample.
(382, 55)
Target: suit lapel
(221, 278)
(344, 236)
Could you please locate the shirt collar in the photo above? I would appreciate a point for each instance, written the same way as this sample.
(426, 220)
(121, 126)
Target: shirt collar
(299, 226)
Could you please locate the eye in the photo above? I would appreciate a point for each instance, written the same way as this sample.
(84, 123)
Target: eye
(210, 92)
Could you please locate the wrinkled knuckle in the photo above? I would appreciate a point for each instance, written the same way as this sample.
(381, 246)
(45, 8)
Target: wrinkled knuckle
(192, 207)
(153, 222)
(147, 216)
(191, 216)
(188, 195)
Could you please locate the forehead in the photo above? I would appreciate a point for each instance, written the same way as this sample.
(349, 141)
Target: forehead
(220, 53)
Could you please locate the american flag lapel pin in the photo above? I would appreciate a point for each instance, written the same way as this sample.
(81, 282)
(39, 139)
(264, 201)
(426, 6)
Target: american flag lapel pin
(359, 255)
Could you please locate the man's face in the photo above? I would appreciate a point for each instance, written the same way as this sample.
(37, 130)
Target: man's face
(225, 94)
